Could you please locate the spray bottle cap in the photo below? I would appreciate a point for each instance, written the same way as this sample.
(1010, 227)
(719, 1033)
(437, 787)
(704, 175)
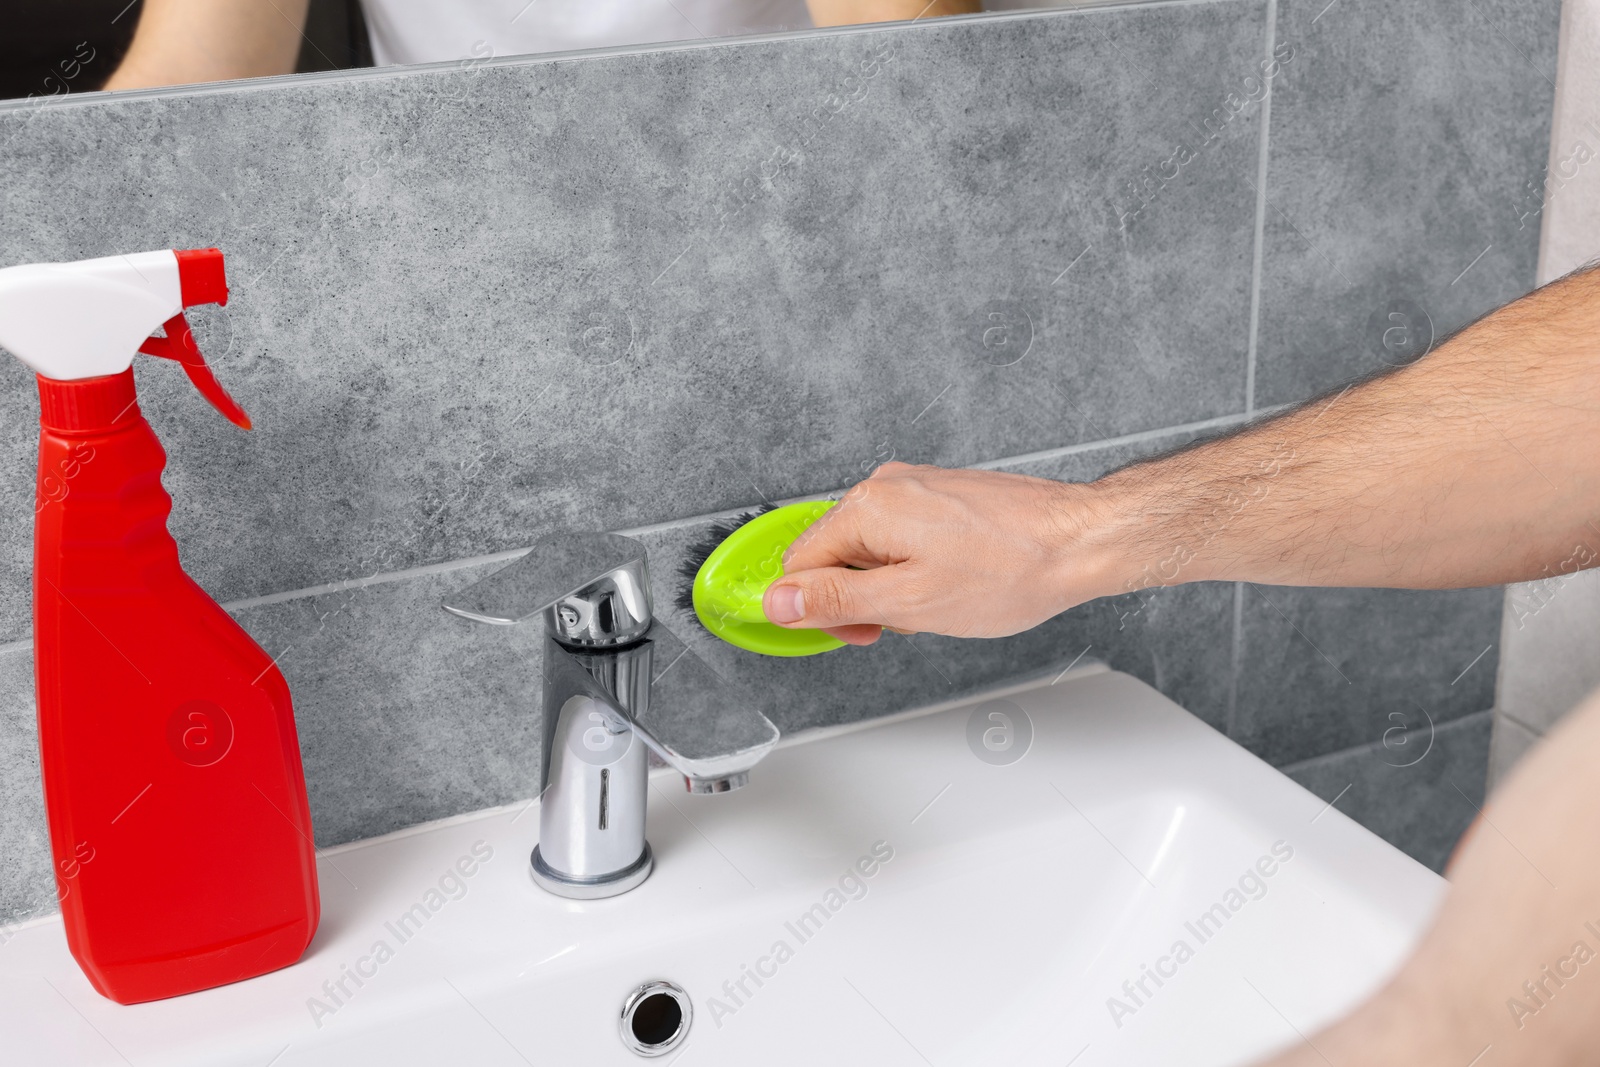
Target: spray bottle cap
(72, 321)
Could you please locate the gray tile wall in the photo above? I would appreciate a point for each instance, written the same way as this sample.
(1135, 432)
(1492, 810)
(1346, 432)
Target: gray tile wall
(634, 291)
(1548, 663)
(1403, 136)
(1548, 631)
(1416, 789)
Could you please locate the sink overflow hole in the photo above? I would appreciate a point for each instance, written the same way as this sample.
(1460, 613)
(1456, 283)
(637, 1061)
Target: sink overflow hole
(655, 1018)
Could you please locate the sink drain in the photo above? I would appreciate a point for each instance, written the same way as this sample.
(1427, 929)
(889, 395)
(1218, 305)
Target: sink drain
(655, 1018)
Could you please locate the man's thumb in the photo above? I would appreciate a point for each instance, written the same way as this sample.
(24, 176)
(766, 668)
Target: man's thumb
(829, 596)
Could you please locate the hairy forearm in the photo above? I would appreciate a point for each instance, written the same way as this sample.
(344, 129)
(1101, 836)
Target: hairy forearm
(181, 42)
(1477, 465)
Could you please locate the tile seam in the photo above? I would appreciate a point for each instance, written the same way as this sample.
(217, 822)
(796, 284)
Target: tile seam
(1502, 713)
(1237, 651)
(1219, 422)
(462, 563)
(667, 525)
(1313, 761)
(1258, 251)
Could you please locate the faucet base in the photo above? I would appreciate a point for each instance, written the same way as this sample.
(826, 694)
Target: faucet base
(551, 880)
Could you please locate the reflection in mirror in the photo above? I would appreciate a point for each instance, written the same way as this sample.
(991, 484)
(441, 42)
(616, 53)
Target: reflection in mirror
(69, 46)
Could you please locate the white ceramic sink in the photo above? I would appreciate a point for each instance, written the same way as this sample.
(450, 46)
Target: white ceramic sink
(1017, 899)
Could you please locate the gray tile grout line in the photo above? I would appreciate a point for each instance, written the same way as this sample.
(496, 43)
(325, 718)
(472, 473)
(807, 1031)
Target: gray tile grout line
(1310, 761)
(406, 574)
(382, 578)
(1253, 342)
(1258, 254)
(1220, 422)
(1502, 713)
(1231, 723)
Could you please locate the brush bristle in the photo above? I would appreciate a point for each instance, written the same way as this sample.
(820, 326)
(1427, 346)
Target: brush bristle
(700, 551)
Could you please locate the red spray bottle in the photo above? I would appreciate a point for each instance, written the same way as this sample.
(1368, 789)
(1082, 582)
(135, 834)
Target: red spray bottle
(179, 824)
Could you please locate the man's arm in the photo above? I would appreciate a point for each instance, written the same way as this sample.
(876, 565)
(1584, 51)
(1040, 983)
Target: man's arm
(180, 42)
(852, 12)
(1478, 464)
(1509, 974)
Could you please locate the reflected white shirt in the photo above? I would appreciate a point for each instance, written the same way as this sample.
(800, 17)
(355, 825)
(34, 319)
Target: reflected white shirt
(425, 31)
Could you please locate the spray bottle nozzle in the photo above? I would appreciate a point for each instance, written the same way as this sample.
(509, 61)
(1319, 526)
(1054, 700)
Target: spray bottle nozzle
(201, 277)
(179, 346)
(201, 280)
(76, 321)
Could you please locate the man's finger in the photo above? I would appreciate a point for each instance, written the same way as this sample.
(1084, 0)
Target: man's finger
(828, 597)
(832, 540)
(838, 536)
(855, 634)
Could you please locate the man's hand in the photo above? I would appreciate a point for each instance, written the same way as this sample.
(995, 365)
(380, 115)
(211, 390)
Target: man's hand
(1476, 465)
(966, 553)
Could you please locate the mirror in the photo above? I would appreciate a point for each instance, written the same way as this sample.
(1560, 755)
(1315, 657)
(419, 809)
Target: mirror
(70, 46)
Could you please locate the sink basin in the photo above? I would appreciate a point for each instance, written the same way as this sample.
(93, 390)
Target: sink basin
(1078, 872)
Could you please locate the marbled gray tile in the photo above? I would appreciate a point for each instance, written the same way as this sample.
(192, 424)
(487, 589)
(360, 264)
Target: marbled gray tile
(1419, 797)
(1549, 665)
(1326, 669)
(26, 886)
(474, 307)
(1403, 140)
(406, 713)
(471, 307)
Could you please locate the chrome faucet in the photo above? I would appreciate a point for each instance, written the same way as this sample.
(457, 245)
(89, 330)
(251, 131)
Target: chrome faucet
(613, 678)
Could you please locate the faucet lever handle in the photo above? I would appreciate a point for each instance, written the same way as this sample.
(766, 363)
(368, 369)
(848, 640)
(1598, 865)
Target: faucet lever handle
(593, 589)
(709, 729)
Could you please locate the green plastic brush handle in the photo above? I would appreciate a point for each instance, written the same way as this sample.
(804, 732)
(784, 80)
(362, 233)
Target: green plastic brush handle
(729, 586)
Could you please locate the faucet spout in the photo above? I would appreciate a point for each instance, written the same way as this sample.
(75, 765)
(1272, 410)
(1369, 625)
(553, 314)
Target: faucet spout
(616, 685)
(702, 726)
(707, 729)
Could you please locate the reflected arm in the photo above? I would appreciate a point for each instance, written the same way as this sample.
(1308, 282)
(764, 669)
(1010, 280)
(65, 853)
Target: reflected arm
(855, 12)
(181, 42)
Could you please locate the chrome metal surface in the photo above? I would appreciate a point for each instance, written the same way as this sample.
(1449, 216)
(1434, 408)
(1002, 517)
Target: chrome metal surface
(642, 1018)
(605, 701)
(717, 785)
(615, 884)
(698, 723)
(593, 589)
(592, 783)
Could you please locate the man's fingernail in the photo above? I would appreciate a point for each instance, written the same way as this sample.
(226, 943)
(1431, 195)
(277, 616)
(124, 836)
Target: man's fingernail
(786, 603)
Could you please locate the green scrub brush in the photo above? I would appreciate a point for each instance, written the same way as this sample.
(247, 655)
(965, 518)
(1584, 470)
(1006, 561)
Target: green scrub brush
(728, 572)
